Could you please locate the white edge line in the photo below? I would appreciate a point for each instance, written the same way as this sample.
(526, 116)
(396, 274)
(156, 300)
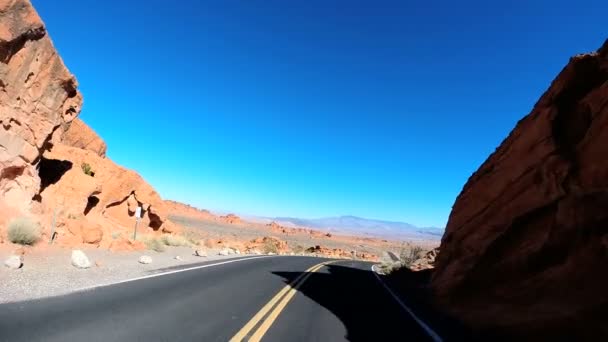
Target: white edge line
(432, 334)
(87, 288)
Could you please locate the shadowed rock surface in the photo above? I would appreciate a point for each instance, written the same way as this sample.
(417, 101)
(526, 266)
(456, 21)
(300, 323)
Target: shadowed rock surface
(526, 245)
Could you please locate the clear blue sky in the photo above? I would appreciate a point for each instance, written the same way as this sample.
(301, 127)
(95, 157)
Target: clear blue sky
(314, 108)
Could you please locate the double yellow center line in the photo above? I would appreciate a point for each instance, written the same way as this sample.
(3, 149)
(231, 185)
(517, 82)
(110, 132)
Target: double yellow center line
(282, 298)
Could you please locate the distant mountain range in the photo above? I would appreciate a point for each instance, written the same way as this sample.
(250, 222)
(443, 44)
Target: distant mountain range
(361, 226)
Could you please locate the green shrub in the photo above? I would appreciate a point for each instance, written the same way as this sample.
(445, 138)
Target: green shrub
(86, 168)
(23, 231)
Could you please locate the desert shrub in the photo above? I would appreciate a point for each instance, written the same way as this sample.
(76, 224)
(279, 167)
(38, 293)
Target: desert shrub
(86, 168)
(410, 254)
(298, 249)
(174, 240)
(23, 231)
(116, 235)
(193, 238)
(154, 244)
(270, 247)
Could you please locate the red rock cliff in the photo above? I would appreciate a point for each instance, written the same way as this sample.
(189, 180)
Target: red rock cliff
(37, 96)
(526, 246)
(50, 164)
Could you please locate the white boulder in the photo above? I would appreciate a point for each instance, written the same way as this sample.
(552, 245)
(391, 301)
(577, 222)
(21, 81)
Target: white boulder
(80, 260)
(145, 259)
(14, 262)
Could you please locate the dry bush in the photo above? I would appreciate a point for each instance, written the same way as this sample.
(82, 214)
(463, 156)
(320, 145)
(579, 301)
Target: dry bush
(410, 253)
(174, 240)
(154, 244)
(23, 231)
(270, 247)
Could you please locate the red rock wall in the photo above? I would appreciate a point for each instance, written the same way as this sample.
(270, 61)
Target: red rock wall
(37, 95)
(43, 149)
(78, 134)
(526, 246)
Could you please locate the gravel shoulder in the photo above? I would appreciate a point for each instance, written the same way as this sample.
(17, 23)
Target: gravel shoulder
(50, 272)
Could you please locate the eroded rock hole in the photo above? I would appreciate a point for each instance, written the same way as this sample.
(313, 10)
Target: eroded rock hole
(51, 171)
(155, 221)
(92, 202)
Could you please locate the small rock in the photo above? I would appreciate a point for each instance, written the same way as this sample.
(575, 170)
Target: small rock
(271, 253)
(292, 253)
(145, 259)
(200, 253)
(80, 260)
(177, 257)
(236, 251)
(226, 251)
(14, 262)
(98, 263)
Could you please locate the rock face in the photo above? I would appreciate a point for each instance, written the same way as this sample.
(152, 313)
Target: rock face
(78, 134)
(52, 165)
(181, 209)
(37, 96)
(112, 192)
(526, 246)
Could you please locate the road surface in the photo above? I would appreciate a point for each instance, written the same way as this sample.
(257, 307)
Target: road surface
(267, 299)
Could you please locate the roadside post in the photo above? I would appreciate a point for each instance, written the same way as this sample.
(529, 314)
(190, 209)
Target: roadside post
(137, 218)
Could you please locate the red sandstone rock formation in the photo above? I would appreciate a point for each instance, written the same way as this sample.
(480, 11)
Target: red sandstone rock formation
(181, 209)
(78, 134)
(526, 245)
(230, 219)
(50, 164)
(37, 96)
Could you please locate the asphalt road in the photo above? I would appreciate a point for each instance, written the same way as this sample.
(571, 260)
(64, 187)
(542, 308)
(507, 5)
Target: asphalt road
(244, 300)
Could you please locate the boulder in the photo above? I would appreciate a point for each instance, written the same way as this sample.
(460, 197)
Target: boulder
(92, 234)
(80, 260)
(178, 258)
(145, 259)
(524, 254)
(200, 253)
(14, 262)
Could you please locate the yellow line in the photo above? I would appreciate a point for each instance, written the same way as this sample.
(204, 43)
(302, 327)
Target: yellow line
(257, 336)
(258, 316)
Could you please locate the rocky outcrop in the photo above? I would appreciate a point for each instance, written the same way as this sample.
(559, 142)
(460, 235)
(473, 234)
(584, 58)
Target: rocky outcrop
(53, 166)
(230, 219)
(185, 210)
(107, 191)
(37, 96)
(526, 246)
(78, 134)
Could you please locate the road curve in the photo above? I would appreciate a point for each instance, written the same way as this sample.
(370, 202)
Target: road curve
(335, 301)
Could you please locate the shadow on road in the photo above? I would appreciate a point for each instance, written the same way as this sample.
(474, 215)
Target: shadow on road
(357, 298)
